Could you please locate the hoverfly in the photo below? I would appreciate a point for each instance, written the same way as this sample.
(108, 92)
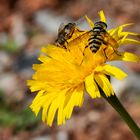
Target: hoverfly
(65, 33)
(100, 36)
(68, 32)
(93, 38)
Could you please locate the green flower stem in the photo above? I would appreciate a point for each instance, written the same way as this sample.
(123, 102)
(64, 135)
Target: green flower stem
(115, 103)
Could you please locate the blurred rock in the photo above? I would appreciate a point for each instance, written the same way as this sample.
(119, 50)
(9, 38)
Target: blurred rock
(12, 87)
(3, 38)
(62, 135)
(25, 61)
(5, 61)
(49, 21)
(18, 30)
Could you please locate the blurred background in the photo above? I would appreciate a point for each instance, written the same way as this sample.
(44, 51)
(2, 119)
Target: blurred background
(27, 25)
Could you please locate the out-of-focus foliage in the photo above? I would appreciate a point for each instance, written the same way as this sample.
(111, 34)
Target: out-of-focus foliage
(10, 46)
(23, 119)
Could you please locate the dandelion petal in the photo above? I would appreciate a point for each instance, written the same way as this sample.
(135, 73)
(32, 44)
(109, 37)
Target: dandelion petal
(89, 22)
(102, 16)
(112, 71)
(104, 84)
(91, 87)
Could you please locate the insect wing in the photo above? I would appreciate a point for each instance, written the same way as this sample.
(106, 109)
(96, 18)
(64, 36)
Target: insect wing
(61, 27)
(110, 40)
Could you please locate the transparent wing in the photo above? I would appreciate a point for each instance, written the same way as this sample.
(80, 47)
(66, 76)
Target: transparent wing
(61, 27)
(110, 40)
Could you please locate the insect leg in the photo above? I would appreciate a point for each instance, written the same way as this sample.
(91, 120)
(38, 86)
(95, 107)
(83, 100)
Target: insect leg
(83, 54)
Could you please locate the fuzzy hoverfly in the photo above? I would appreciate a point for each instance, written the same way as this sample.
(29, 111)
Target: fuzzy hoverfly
(95, 37)
(65, 32)
(68, 32)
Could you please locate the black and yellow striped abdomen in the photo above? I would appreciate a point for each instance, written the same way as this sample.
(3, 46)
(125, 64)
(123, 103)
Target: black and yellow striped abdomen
(97, 36)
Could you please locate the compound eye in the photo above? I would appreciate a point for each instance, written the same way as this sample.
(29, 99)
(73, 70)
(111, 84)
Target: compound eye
(68, 28)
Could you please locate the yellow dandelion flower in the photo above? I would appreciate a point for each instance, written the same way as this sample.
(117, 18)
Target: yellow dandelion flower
(63, 75)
